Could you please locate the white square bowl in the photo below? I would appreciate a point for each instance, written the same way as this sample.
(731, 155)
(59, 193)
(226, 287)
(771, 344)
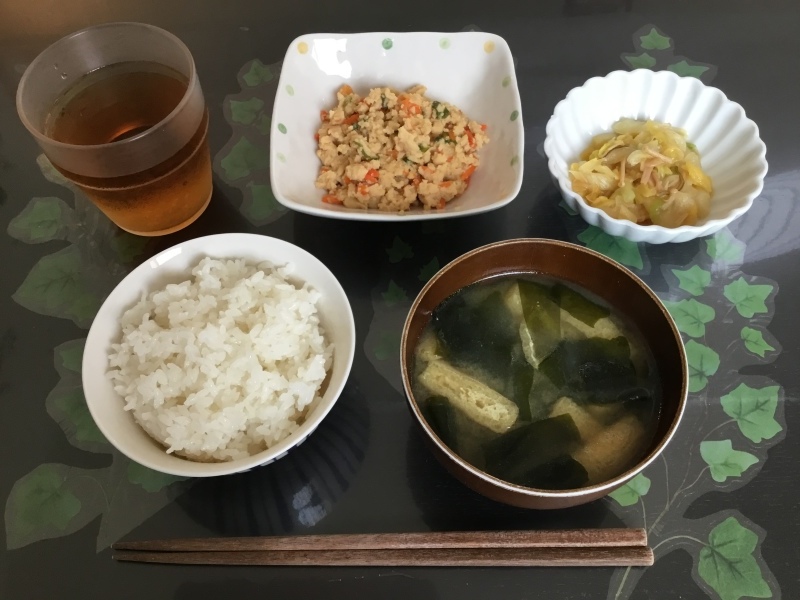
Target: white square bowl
(472, 70)
(731, 151)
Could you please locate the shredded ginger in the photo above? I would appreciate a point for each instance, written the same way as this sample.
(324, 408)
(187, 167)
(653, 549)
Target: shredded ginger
(646, 172)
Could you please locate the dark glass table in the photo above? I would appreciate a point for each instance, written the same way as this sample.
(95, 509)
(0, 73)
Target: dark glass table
(725, 492)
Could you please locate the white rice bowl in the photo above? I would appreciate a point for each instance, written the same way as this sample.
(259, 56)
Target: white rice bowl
(225, 365)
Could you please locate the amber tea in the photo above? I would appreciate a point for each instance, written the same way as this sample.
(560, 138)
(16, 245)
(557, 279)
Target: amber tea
(122, 101)
(118, 110)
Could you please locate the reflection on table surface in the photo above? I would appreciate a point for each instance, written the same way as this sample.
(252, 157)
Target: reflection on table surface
(724, 485)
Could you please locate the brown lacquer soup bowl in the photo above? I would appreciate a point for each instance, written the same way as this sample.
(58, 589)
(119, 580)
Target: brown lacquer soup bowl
(578, 395)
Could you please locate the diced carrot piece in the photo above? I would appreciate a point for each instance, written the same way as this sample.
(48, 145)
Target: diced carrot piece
(393, 154)
(331, 199)
(483, 127)
(351, 119)
(316, 136)
(416, 181)
(346, 180)
(411, 108)
(323, 115)
(470, 137)
(468, 172)
(371, 176)
(345, 90)
(363, 189)
(446, 184)
(442, 204)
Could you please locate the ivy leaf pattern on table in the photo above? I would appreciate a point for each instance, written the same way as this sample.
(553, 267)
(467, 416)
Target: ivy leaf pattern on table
(691, 316)
(755, 343)
(243, 162)
(58, 285)
(724, 248)
(399, 250)
(654, 40)
(623, 251)
(629, 494)
(693, 280)
(429, 270)
(734, 418)
(55, 500)
(754, 410)
(654, 49)
(703, 363)
(42, 220)
(723, 461)
(727, 564)
(748, 299)
(394, 294)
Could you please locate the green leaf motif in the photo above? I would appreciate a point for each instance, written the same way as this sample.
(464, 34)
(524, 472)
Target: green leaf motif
(57, 286)
(42, 220)
(149, 480)
(622, 250)
(629, 494)
(243, 159)
(723, 247)
(79, 421)
(727, 563)
(754, 341)
(262, 203)
(654, 40)
(640, 61)
(39, 501)
(691, 316)
(246, 111)
(128, 246)
(262, 124)
(568, 209)
(70, 354)
(749, 299)
(684, 69)
(694, 280)
(754, 411)
(703, 363)
(394, 294)
(388, 345)
(429, 270)
(724, 461)
(258, 73)
(399, 250)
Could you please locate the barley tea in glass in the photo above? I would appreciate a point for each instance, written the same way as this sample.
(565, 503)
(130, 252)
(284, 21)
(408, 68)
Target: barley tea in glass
(118, 110)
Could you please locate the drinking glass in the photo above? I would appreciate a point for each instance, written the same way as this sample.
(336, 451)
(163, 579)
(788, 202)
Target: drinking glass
(118, 109)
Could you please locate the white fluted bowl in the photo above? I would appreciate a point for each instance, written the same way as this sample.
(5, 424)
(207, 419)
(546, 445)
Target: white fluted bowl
(731, 151)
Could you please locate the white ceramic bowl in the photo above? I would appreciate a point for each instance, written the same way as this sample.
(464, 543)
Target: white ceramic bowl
(731, 150)
(471, 70)
(173, 266)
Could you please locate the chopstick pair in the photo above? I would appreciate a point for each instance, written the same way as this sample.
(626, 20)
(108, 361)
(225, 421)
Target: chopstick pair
(557, 548)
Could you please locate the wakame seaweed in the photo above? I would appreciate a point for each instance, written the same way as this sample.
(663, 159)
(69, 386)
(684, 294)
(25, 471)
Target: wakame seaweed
(481, 334)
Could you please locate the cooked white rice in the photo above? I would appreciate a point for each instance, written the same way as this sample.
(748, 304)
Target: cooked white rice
(224, 365)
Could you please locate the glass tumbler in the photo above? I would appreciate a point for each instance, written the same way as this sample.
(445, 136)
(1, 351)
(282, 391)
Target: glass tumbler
(118, 110)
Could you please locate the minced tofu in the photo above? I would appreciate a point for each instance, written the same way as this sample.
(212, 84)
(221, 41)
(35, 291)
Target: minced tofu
(393, 150)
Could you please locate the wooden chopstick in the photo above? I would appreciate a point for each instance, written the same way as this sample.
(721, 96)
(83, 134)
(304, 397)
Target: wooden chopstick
(567, 538)
(426, 557)
(576, 547)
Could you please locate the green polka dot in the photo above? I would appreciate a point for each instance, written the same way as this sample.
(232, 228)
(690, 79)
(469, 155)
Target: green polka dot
(281, 157)
(387, 43)
(281, 127)
(514, 160)
(444, 43)
(506, 80)
(290, 90)
(514, 115)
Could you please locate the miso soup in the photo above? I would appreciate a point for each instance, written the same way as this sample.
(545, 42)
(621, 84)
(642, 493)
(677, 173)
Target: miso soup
(537, 383)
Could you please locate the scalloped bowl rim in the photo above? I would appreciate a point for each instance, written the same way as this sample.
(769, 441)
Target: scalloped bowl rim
(706, 227)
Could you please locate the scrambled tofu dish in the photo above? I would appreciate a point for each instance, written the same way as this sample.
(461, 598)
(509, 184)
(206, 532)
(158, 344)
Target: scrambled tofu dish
(394, 151)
